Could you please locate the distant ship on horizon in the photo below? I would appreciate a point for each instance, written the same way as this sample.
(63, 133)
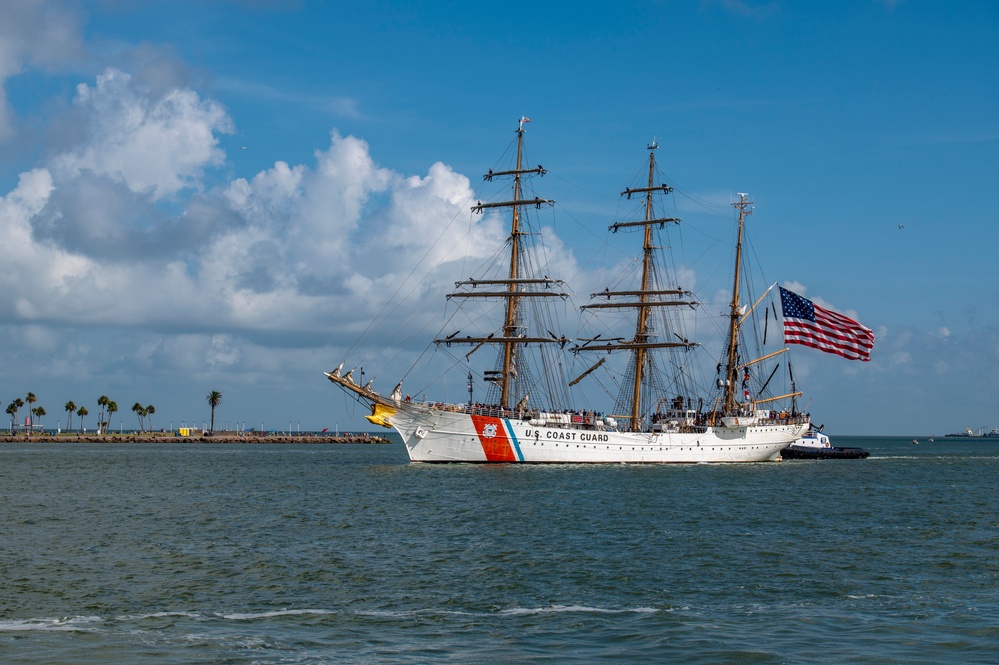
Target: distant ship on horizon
(978, 433)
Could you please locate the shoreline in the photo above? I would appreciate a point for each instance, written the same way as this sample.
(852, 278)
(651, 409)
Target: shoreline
(220, 437)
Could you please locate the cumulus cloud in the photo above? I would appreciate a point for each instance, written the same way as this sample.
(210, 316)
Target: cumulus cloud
(160, 144)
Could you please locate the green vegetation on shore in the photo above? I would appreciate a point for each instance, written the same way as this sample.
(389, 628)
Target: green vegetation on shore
(171, 437)
(33, 429)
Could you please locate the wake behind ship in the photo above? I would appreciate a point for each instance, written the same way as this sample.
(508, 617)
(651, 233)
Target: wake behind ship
(654, 419)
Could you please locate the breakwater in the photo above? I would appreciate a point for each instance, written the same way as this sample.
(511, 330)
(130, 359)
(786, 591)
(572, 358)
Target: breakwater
(217, 437)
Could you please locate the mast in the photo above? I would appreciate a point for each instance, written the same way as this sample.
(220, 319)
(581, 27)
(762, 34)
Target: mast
(510, 324)
(641, 327)
(514, 288)
(645, 299)
(732, 368)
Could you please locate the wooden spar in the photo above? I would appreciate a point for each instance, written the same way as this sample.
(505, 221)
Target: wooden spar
(516, 203)
(495, 339)
(493, 174)
(647, 222)
(522, 280)
(587, 372)
(628, 191)
(755, 304)
(761, 359)
(663, 292)
(624, 346)
(365, 392)
(477, 347)
(494, 294)
(774, 399)
(646, 303)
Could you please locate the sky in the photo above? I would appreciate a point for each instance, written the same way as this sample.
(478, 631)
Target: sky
(238, 196)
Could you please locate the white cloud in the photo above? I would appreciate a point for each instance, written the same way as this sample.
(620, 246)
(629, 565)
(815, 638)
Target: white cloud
(159, 145)
(223, 351)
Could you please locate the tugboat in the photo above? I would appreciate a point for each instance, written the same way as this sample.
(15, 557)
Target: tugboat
(815, 445)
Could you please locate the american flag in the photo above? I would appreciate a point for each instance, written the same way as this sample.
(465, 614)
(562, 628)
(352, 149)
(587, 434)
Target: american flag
(807, 323)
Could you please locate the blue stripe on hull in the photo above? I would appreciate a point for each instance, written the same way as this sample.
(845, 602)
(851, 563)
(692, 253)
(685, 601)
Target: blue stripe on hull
(513, 439)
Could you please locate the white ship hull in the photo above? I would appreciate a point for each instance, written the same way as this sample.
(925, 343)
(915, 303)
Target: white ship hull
(434, 435)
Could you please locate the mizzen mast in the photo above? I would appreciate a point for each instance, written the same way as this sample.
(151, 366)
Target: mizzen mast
(732, 367)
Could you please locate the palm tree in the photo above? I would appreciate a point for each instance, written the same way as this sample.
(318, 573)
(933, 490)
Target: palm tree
(138, 411)
(112, 407)
(12, 410)
(214, 399)
(18, 403)
(82, 412)
(39, 411)
(102, 401)
(70, 408)
(150, 410)
(31, 399)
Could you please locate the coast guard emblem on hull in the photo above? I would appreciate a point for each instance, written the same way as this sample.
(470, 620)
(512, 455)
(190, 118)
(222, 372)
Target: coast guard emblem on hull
(489, 431)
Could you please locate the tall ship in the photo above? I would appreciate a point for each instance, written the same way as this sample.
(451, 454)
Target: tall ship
(657, 414)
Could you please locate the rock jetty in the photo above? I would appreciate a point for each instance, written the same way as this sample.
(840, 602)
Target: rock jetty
(217, 437)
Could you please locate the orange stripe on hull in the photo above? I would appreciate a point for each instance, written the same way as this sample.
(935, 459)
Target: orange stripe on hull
(495, 443)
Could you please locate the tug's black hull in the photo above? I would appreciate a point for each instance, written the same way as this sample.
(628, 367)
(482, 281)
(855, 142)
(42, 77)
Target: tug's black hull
(795, 452)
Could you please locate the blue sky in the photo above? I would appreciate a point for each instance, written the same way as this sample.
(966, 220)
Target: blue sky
(221, 196)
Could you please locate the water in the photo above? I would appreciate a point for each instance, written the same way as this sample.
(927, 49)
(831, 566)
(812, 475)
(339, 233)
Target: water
(177, 553)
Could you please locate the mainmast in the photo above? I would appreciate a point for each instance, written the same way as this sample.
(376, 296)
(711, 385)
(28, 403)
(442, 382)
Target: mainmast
(646, 298)
(641, 327)
(735, 314)
(515, 287)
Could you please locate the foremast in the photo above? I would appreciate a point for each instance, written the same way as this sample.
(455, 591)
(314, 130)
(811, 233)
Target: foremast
(643, 301)
(513, 289)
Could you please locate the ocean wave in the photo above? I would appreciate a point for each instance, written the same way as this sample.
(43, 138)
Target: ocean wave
(577, 609)
(250, 616)
(513, 611)
(158, 615)
(79, 624)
